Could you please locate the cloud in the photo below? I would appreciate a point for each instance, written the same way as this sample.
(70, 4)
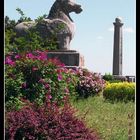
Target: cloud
(125, 29)
(99, 37)
(111, 29)
(128, 30)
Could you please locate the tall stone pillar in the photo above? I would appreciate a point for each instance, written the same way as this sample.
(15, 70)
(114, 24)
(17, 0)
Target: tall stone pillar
(117, 52)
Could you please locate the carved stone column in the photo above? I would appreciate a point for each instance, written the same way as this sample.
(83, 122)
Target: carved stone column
(117, 52)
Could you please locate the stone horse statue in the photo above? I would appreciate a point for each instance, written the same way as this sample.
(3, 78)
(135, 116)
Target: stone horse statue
(58, 17)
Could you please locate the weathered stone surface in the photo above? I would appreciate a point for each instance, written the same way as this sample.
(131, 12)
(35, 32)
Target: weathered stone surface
(58, 23)
(70, 58)
(120, 77)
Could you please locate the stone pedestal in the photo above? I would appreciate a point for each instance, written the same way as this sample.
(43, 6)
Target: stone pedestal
(70, 58)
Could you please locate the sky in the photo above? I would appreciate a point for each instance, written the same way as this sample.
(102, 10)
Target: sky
(94, 29)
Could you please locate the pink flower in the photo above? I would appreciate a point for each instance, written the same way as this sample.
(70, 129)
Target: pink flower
(30, 55)
(37, 51)
(59, 77)
(47, 86)
(65, 98)
(62, 64)
(68, 80)
(49, 96)
(9, 61)
(34, 68)
(96, 89)
(41, 55)
(41, 81)
(17, 56)
(24, 85)
(66, 90)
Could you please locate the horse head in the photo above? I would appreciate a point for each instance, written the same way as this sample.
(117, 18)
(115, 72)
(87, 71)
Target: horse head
(69, 6)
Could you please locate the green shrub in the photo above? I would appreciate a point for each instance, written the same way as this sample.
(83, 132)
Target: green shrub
(31, 42)
(114, 78)
(14, 103)
(9, 37)
(108, 77)
(9, 24)
(122, 91)
(114, 81)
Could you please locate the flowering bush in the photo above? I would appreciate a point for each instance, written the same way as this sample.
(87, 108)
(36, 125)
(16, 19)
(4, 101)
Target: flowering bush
(89, 83)
(32, 76)
(47, 123)
(122, 91)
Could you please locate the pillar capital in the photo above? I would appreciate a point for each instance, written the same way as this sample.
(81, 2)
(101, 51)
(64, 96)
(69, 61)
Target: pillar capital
(118, 24)
(118, 21)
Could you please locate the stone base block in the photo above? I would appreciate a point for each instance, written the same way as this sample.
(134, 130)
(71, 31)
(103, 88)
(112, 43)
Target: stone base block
(70, 58)
(120, 77)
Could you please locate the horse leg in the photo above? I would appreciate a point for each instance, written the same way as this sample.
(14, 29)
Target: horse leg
(63, 42)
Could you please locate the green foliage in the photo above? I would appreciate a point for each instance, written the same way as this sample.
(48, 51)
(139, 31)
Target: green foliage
(32, 41)
(13, 82)
(40, 18)
(9, 24)
(122, 91)
(108, 77)
(114, 81)
(23, 17)
(9, 37)
(20, 11)
(14, 103)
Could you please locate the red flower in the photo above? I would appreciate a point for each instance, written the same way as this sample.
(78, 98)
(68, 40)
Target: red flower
(59, 71)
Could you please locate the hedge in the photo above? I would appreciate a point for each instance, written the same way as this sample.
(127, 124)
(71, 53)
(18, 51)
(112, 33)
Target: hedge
(122, 91)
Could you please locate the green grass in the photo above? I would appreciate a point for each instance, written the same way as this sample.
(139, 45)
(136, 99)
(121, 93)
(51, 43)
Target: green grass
(109, 120)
